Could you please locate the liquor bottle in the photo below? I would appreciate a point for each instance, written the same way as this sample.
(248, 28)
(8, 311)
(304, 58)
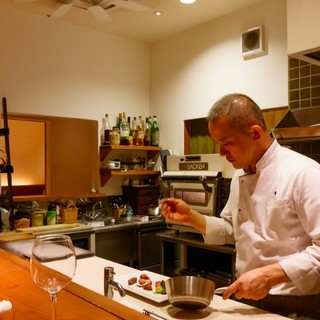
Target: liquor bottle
(102, 131)
(140, 130)
(147, 132)
(107, 130)
(119, 121)
(124, 131)
(154, 132)
(134, 131)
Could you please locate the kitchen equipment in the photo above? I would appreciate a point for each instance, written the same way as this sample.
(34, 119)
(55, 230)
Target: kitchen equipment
(114, 164)
(197, 179)
(190, 292)
(153, 314)
(153, 210)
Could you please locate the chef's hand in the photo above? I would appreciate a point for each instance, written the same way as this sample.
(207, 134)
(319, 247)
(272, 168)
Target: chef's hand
(175, 210)
(178, 211)
(256, 284)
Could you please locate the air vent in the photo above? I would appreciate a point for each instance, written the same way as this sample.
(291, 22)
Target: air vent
(252, 42)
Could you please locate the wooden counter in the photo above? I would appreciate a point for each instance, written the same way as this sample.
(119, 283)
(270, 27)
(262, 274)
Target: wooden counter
(74, 302)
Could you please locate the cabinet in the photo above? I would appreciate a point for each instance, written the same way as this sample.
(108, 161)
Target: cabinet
(152, 153)
(149, 249)
(141, 197)
(117, 244)
(6, 167)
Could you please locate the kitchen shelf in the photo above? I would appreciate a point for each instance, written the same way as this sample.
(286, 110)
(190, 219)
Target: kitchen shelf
(106, 174)
(152, 151)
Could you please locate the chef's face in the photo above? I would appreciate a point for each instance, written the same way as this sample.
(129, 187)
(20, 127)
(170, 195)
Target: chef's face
(237, 146)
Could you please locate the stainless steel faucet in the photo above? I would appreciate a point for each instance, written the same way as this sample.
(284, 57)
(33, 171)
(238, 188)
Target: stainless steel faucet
(98, 203)
(110, 284)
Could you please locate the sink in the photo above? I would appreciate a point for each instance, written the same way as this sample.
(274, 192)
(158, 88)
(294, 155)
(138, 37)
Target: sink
(110, 222)
(105, 222)
(95, 224)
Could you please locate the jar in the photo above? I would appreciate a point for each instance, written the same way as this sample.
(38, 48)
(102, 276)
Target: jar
(114, 137)
(51, 217)
(37, 218)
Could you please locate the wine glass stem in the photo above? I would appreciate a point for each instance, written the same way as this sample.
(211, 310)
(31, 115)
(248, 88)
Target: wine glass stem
(54, 305)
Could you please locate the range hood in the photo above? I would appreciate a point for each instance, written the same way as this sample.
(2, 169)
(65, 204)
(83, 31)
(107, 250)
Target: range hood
(311, 56)
(298, 125)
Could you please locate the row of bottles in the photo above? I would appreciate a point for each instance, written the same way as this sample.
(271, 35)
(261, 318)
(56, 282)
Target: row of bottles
(130, 132)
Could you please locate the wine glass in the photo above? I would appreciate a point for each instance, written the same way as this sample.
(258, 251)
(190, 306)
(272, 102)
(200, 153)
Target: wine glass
(53, 264)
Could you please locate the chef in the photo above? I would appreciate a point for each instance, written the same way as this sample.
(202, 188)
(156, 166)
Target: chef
(272, 214)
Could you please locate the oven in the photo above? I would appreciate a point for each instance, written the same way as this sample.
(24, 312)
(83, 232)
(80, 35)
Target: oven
(200, 198)
(202, 181)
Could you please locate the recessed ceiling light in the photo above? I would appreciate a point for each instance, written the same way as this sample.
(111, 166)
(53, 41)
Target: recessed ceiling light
(157, 13)
(187, 1)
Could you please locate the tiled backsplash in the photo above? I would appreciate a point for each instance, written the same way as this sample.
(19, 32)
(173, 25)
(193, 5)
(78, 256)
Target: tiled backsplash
(304, 84)
(304, 91)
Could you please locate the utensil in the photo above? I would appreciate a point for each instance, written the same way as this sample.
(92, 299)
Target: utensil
(190, 292)
(153, 315)
(52, 265)
(153, 210)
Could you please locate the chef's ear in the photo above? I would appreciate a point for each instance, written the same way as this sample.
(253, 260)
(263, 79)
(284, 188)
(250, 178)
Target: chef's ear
(256, 132)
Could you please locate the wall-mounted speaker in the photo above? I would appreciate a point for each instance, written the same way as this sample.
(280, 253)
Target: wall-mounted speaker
(252, 42)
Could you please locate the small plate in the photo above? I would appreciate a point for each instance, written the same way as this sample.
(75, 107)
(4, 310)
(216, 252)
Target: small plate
(137, 289)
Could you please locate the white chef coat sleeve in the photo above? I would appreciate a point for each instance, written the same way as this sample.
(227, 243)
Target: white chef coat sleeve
(303, 268)
(219, 231)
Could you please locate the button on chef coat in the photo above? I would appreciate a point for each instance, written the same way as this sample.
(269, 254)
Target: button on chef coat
(274, 216)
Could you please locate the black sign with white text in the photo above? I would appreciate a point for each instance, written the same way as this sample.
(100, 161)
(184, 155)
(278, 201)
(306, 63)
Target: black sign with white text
(193, 166)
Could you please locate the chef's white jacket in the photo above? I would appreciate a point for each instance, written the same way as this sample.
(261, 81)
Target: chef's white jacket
(274, 216)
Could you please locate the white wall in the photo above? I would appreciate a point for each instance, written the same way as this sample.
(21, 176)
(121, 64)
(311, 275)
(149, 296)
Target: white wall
(303, 25)
(54, 68)
(193, 69)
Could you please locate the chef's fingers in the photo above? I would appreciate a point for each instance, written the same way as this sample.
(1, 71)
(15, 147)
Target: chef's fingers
(232, 289)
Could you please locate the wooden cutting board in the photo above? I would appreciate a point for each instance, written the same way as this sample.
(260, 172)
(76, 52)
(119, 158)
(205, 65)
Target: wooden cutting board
(54, 227)
(14, 236)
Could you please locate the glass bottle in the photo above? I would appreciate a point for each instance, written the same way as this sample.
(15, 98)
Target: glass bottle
(102, 131)
(107, 130)
(147, 132)
(119, 121)
(114, 137)
(124, 131)
(154, 132)
(134, 131)
(140, 132)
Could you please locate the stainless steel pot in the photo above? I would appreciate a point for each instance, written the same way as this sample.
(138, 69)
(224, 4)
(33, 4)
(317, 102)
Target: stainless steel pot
(190, 292)
(153, 210)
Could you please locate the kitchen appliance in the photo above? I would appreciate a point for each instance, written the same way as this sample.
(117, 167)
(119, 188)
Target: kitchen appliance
(149, 253)
(198, 180)
(298, 125)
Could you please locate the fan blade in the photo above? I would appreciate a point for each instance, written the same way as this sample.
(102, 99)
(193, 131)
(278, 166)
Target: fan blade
(61, 11)
(129, 5)
(24, 1)
(99, 13)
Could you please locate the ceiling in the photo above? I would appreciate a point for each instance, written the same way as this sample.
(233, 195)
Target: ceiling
(143, 25)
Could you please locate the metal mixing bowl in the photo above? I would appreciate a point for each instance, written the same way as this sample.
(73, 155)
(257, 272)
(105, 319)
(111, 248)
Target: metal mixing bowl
(190, 292)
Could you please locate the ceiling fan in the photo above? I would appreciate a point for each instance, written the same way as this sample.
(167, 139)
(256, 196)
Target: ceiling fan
(98, 8)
